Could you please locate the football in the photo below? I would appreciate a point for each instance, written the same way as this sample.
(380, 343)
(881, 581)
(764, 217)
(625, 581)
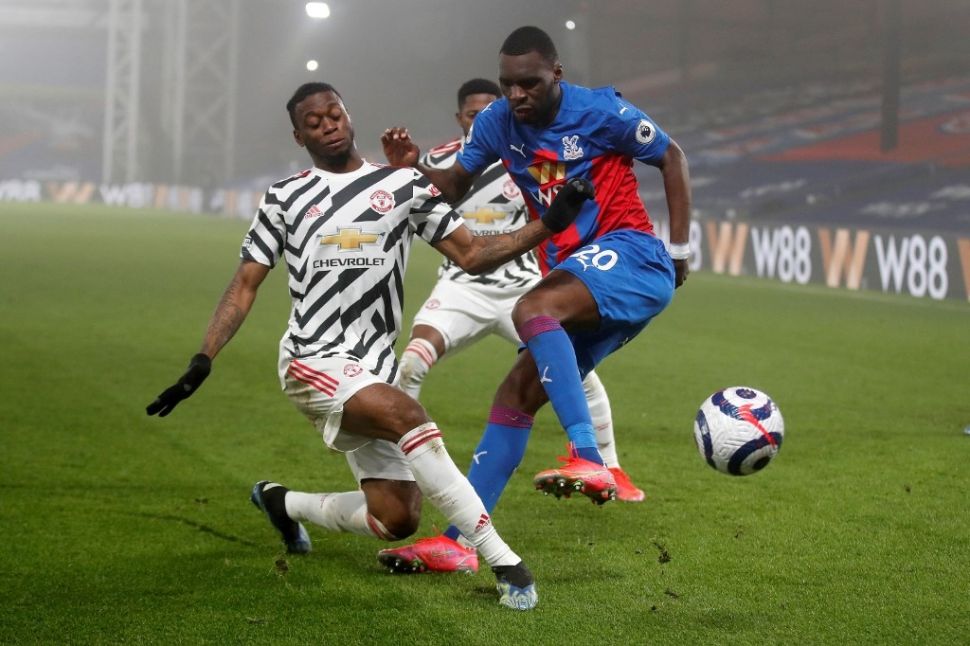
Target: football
(738, 430)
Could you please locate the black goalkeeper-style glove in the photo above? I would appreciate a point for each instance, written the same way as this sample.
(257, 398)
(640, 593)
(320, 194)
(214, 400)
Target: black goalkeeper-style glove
(567, 204)
(199, 368)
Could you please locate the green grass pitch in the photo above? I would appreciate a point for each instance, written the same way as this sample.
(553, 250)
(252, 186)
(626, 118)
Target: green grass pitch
(120, 528)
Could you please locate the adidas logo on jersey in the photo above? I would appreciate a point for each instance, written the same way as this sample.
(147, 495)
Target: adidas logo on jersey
(312, 212)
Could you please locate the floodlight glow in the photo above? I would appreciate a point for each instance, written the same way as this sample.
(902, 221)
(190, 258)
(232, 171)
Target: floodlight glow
(312, 65)
(570, 25)
(318, 9)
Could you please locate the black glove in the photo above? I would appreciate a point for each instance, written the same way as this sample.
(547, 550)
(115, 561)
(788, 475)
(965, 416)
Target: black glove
(569, 200)
(199, 368)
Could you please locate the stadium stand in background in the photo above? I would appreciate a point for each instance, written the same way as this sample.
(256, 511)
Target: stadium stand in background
(812, 154)
(791, 180)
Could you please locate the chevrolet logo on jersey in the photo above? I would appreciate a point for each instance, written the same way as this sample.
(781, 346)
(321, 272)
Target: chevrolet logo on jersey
(350, 239)
(485, 215)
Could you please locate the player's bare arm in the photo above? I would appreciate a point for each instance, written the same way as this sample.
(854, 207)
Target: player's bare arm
(233, 307)
(230, 313)
(400, 150)
(478, 254)
(676, 178)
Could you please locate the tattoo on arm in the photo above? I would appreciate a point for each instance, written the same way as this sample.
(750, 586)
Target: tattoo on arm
(496, 250)
(228, 317)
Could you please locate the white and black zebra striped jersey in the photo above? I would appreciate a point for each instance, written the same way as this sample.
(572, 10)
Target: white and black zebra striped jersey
(345, 238)
(492, 206)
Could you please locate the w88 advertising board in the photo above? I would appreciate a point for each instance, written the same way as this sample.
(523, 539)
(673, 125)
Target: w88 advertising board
(918, 264)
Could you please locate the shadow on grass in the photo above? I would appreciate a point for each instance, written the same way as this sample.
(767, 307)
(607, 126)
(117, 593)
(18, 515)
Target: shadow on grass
(198, 526)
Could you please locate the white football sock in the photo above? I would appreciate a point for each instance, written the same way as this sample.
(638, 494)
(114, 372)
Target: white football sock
(447, 489)
(338, 512)
(599, 411)
(416, 361)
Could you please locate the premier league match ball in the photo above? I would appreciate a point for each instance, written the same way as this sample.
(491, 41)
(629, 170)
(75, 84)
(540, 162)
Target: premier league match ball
(738, 430)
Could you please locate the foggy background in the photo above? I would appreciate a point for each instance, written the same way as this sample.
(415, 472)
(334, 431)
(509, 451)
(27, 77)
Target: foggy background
(690, 64)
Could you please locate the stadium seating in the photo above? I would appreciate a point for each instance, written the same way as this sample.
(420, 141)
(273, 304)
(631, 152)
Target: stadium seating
(812, 154)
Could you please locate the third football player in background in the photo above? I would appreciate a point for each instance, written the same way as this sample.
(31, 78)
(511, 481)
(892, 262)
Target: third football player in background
(463, 308)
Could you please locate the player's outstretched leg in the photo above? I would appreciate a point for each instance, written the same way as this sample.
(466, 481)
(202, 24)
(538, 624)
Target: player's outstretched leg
(338, 512)
(269, 497)
(602, 415)
(383, 412)
(555, 365)
(498, 454)
(447, 489)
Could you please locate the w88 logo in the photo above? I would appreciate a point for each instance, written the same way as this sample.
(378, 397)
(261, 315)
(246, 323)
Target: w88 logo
(592, 256)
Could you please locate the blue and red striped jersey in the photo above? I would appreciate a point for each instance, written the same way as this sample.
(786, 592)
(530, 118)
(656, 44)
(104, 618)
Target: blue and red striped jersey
(596, 134)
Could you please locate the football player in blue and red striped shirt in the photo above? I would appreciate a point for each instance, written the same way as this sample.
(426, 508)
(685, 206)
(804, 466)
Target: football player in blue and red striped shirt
(605, 275)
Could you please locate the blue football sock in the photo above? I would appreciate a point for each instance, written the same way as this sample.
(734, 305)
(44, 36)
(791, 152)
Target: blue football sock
(559, 374)
(583, 440)
(498, 454)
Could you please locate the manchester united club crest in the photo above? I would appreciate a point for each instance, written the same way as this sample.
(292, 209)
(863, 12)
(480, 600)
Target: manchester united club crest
(381, 201)
(510, 190)
(352, 370)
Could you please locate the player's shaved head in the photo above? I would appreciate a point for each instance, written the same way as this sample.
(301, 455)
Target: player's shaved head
(530, 39)
(305, 90)
(477, 86)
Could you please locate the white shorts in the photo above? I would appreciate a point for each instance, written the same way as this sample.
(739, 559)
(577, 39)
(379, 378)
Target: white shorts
(465, 313)
(319, 388)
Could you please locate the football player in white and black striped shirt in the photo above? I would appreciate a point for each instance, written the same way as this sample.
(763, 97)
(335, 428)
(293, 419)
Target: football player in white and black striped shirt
(463, 309)
(344, 229)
